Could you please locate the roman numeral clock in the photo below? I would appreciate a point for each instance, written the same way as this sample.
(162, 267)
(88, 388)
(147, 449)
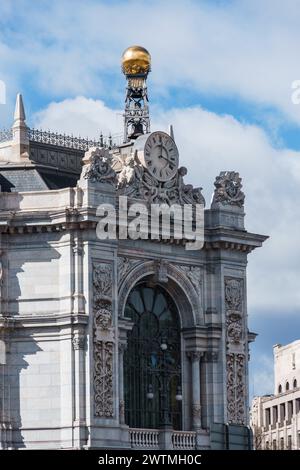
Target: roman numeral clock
(158, 153)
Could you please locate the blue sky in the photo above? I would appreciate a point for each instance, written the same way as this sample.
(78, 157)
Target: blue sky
(222, 73)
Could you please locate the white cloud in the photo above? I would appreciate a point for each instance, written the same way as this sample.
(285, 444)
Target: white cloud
(246, 49)
(262, 375)
(208, 144)
(79, 116)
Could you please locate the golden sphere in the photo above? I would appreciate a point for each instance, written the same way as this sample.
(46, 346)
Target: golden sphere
(136, 60)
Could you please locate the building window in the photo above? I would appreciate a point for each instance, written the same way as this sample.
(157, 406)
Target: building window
(287, 386)
(289, 443)
(295, 383)
(152, 360)
(267, 445)
(282, 413)
(280, 389)
(282, 443)
(274, 444)
(268, 416)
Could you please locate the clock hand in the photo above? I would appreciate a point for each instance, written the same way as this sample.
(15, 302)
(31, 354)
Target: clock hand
(167, 159)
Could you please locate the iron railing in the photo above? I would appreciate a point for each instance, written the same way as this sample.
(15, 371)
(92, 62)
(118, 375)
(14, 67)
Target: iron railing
(64, 140)
(6, 135)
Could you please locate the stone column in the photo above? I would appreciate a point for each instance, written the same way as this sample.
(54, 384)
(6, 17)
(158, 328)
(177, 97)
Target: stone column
(78, 343)
(195, 357)
(122, 347)
(5, 408)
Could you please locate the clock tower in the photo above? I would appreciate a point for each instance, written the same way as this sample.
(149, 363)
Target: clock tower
(136, 64)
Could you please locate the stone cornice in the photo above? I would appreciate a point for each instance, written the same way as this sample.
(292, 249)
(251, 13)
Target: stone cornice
(35, 321)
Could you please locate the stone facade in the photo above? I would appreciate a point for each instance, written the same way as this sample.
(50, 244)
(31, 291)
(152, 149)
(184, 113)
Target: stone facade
(63, 330)
(275, 419)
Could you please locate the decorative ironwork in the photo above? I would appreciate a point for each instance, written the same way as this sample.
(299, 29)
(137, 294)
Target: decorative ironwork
(6, 135)
(69, 141)
(152, 360)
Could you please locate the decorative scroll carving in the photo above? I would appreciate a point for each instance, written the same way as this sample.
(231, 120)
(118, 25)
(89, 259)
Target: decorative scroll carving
(234, 329)
(194, 274)
(78, 342)
(229, 189)
(236, 389)
(233, 302)
(125, 265)
(103, 340)
(194, 355)
(136, 182)
(97, 166)
(235, 358)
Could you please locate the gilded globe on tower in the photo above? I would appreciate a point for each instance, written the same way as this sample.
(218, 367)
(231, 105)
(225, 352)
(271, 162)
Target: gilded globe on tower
(136, 60)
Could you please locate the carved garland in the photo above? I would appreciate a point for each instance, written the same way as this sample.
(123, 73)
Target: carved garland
(235, 358)
(103, 340)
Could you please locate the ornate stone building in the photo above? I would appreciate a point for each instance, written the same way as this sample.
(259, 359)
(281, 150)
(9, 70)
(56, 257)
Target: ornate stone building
(118, 343)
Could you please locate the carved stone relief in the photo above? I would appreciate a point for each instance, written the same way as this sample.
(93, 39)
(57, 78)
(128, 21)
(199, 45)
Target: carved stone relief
(97, 166)
(136, 182)
(235, 357)
(194, 274)
(125, 265)
(103, 340)
(78, 342)
(228, 189)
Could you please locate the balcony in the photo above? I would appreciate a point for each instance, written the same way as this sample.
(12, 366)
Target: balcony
(144, 438)
(150, 439)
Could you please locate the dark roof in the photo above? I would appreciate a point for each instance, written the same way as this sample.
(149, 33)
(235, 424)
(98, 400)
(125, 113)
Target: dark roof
(34, 178)
(21, 179)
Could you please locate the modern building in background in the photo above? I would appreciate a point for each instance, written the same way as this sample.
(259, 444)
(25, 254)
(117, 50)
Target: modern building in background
(275, 419)
(118, 343)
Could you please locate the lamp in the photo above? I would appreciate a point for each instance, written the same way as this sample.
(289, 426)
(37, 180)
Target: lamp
(150, 394)
(178, 394)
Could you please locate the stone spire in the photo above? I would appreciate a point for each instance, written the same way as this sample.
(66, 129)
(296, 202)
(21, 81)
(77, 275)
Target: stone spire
(171, 131)
(20, 145)
(19, 116)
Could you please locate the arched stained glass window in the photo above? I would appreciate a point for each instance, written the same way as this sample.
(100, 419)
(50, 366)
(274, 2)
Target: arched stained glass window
(152, 361)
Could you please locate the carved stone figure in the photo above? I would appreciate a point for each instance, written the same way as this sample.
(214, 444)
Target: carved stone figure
(229, 189)
(136, 182)
(97, 166)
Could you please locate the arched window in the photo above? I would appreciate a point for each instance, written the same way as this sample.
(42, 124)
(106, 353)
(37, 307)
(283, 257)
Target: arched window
(280, 389)
(295, 383)
(152, 360)
(287, 386)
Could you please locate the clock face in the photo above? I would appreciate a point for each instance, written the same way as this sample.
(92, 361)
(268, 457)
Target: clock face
(160, 156)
